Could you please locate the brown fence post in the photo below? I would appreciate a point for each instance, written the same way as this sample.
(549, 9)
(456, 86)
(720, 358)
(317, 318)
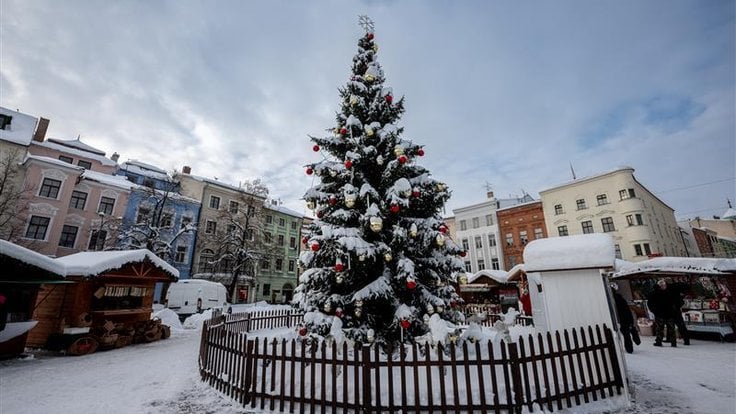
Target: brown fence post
(366, 368)
(248, 372)
(203, 349)
(614, 357)
(516, 378)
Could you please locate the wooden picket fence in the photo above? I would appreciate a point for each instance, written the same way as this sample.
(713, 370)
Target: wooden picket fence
(553, 371)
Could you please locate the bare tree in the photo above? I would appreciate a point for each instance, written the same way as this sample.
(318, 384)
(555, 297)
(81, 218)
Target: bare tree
(14, 196)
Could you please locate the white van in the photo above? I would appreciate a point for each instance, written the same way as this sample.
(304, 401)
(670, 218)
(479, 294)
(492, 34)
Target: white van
(190, 296)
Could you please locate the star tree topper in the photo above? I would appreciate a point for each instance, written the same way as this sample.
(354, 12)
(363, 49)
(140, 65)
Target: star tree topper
(366, 23)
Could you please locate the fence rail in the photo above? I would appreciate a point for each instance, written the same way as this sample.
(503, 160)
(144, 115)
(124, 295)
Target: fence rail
(554, 371)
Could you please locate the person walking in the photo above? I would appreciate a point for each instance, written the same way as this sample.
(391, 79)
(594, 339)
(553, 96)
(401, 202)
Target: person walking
(679, 321)
(663, 306)
(625, 320)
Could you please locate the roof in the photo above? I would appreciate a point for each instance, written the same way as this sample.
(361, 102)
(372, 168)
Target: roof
(109, 179)
(146, 170)
(75, 151)
(499, 276)
(676, 265)
(94, 263)
(589, 178)
(220, 184)
(21, 129)
(730, 214)
(282, 209)
(53, 161)
(583, 251)
(30, 257)
(76, 143)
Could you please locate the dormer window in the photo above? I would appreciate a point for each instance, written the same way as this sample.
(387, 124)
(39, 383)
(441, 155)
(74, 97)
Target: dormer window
(85, 164)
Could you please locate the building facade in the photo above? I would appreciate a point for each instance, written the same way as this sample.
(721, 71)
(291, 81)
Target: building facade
(518, 225)
(614, 202)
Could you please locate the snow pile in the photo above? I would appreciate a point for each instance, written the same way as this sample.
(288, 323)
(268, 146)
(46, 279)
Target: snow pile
(195, 321)
(168, 317)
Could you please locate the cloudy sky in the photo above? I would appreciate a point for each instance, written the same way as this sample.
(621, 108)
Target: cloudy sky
(504, 93)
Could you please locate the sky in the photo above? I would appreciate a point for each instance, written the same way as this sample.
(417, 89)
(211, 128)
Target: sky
(161, 377)
(505, 95)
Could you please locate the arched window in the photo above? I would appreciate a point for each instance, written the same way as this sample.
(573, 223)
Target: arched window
(205, 259)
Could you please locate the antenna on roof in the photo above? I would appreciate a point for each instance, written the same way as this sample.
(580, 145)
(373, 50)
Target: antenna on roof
(572, 170)
(728, 200)
(488, 186)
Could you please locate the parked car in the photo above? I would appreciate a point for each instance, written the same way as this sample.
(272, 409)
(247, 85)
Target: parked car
(190, 296)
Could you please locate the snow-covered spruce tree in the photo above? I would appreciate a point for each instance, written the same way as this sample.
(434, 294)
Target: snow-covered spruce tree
(378, 262)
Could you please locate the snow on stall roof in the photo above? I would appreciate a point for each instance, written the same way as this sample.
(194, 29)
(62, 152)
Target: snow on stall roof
(32, 258)
(499, 276)
(75, 151)
(94, 263)
(21, 128)
(696, 265)
(113, 180)
(76, 143)
(582, 251)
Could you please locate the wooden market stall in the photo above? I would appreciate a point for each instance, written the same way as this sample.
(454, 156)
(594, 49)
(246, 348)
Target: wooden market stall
(108, 305)
(706, 284)
(488, 291)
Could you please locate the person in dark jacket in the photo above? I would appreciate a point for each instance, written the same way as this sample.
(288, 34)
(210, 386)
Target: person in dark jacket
(679, 321)
(663, 305)
(625, 320)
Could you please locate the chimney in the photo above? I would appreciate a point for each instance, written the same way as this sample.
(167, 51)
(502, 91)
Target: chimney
(41, 128)
(186, 169)
(489, 195)
(115, 156)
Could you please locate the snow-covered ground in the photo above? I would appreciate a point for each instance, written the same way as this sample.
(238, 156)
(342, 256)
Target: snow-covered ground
(162, 377)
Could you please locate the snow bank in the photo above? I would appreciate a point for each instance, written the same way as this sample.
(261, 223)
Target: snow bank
(168, 317)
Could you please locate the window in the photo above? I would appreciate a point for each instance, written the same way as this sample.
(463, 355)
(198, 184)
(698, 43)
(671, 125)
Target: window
(269, 219)
(266, 289)
(107, 204)
(97, 240)
(558, 209)
(66, 159)
(647, 250)
(562, 231)
(489, 219)
(167, 220)
(634, 220)
(205, 258)
(618, 251)
(267, 237)
(234, 207)
(523, 237)
(463, 225)
(476, 222)
(50, 188)
(68, 236)
(215, 202)
(509, 239)
(494, 264)
(78, 200)
(478, 242)
(85, 164)
(37, 227)
(492, 240)
(587, 227)
(637, 250)
(148, 182)
(281, 239)
(291, 265)
(5, 121)
(466, 245)
(282, 222)
(481, 264)
(210, 227)
(292, 242)
(602, 199)
(265, 264)
(293, 225)
(185, 221)
(279, 264)
(181, 253)
(538, 233)
(626, 193)
(143, 214)
(581, 204)
(607, 223)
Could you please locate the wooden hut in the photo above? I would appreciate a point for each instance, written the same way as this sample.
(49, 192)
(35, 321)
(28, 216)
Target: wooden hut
(488, 291)
(109, 303)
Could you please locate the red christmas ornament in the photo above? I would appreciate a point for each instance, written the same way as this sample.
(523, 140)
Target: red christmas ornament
(320, 214)
(333, 200)
(402, 159)
(369, 36)
(420, 152)
(348, 164)
(302, 331)
(309, 170)
(343, 131)
(463, 253)
(339, 267)
(305, 239)
(338, 312)
(315, 148)
(411, 284)
(415, 193)
(405, 324)
(394, 208)
(714, 305)
(314, 246)
(389, 98)
(443, 229)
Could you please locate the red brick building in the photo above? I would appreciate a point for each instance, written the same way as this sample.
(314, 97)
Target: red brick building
(518, 225)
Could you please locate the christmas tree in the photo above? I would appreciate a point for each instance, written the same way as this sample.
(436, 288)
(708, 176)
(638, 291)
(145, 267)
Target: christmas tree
(379, 261)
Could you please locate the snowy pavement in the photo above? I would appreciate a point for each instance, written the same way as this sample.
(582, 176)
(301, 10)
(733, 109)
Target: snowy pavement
(162, 377)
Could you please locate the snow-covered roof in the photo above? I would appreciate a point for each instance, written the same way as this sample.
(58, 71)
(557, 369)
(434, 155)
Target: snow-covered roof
(108, 179)
(583, 251)
(75, 151)
(665, 265)
(527, 203)
(516, 272)
(590, 177)
(21, 128)
(146, 170)
(76, 143)
(499, 276)
(282, 209)
(220, 184)
(53, 161)
(36, 259)
(730, 214)
(94, 263)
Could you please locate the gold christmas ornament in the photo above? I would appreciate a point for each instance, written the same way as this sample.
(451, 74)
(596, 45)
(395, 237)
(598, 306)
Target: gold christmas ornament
(440, 309)
(310, 204)
(339, 279)
(387, 257)
(361, 257)
(369, 131)
(398, 150)
(430, 309)
(353, 100)
(358, 312)
(379, 160)
(350, 200)
(413, 230)
(327, 307)
(441, 187)
(375, 48)
(440, 239)
(376, 224)
(369, 77)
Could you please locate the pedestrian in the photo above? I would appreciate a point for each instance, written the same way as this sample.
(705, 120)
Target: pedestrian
(625, 320)
(663, 305)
